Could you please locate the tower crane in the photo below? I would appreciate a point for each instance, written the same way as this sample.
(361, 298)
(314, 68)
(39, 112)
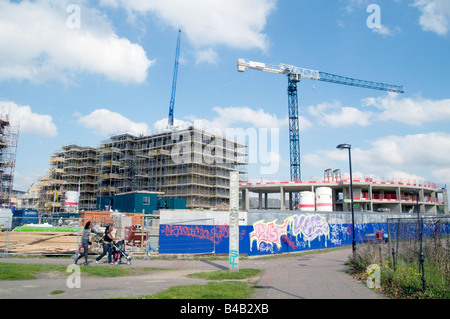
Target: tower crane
(174, 80)
(294, 75)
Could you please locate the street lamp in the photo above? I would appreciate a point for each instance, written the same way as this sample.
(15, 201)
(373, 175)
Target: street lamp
(420, 225)
(349, 147)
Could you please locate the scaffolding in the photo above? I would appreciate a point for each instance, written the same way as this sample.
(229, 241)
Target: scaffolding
(126, 163)
(146, 163)
(9, 135)
(74, 168)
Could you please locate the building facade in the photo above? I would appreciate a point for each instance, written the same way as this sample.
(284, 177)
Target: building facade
(74, 169)
(187, 163)
(390, 195)
(9, 135)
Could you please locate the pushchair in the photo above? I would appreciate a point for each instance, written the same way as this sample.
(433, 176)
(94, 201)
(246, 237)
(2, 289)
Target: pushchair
(118, 251)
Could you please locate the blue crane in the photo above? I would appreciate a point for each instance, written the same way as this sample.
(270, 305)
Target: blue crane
(174, 80)
(294, 75)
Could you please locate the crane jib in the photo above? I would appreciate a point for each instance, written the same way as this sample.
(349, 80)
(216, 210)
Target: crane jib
(328, 77)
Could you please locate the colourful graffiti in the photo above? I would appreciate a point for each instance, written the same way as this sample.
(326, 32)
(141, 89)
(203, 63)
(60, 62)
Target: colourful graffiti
(288, 241)
(215, 234)
(309, 227)
(269, 233)
(284, 235)
(234, 258)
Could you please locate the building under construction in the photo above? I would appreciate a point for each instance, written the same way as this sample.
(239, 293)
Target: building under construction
(74, 168)
(9, 135)
(187, 163)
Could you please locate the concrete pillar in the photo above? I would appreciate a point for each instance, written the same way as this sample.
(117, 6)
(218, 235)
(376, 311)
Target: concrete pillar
(345, 206)
(421, 199)
(266, 201)
(246, 200)
(445, 199)
(282, 206)
(290, 201)
(260, 200)
(371, 197)
(399, 198)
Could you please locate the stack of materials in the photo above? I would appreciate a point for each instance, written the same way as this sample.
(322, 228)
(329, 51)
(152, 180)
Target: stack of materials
(120, 221)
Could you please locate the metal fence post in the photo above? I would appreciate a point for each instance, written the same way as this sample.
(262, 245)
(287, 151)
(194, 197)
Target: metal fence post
(421, 256)
(8, 231)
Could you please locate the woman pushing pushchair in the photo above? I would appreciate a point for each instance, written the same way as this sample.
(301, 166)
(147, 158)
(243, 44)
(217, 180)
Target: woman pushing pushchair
(107, 240)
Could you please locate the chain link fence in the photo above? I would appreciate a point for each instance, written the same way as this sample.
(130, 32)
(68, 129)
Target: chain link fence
(421, 243)
(61, 236)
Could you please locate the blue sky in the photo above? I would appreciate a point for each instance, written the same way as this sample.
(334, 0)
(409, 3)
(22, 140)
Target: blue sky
(78, 74)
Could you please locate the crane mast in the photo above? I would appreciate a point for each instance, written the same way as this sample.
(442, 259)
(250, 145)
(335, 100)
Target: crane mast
(174, 80)
(295, 74)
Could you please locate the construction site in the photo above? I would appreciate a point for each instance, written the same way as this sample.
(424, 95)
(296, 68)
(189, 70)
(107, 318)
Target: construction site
(130, 180)
(127, 163)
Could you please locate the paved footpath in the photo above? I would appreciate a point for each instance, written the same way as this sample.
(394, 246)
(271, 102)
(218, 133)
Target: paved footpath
(313, 276)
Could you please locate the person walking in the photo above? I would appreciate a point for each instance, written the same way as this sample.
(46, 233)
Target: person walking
(107, 240)
(85, 243)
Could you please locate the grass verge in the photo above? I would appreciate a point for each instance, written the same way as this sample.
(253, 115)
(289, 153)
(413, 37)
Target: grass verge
(227, 275)
(406, 281)
(212, 290)
(223, 285)
(31, 271)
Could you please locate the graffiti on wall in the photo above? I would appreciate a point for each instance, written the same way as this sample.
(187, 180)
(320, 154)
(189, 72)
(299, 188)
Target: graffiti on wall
(268, 233)
(295, 232)
(215, 234)
(310, 227)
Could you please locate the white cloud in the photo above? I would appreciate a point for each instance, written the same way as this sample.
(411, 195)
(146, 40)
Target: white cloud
(435, 15)
(424, 155)
(229, 116)
(383, 30)
(38, 44)
(235, 23)
(336, 115)
(351, 5)
(416, 151)
(106, 122)
(206, 56)
(413, 111)
(29, 122)
(243, 117)
(441, 175)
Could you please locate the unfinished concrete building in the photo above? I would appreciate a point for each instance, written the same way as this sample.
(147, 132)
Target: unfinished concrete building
(9, 135)
(187, 163)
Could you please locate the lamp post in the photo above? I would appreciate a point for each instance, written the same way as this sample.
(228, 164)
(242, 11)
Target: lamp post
(420, 224)
(349, 147)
